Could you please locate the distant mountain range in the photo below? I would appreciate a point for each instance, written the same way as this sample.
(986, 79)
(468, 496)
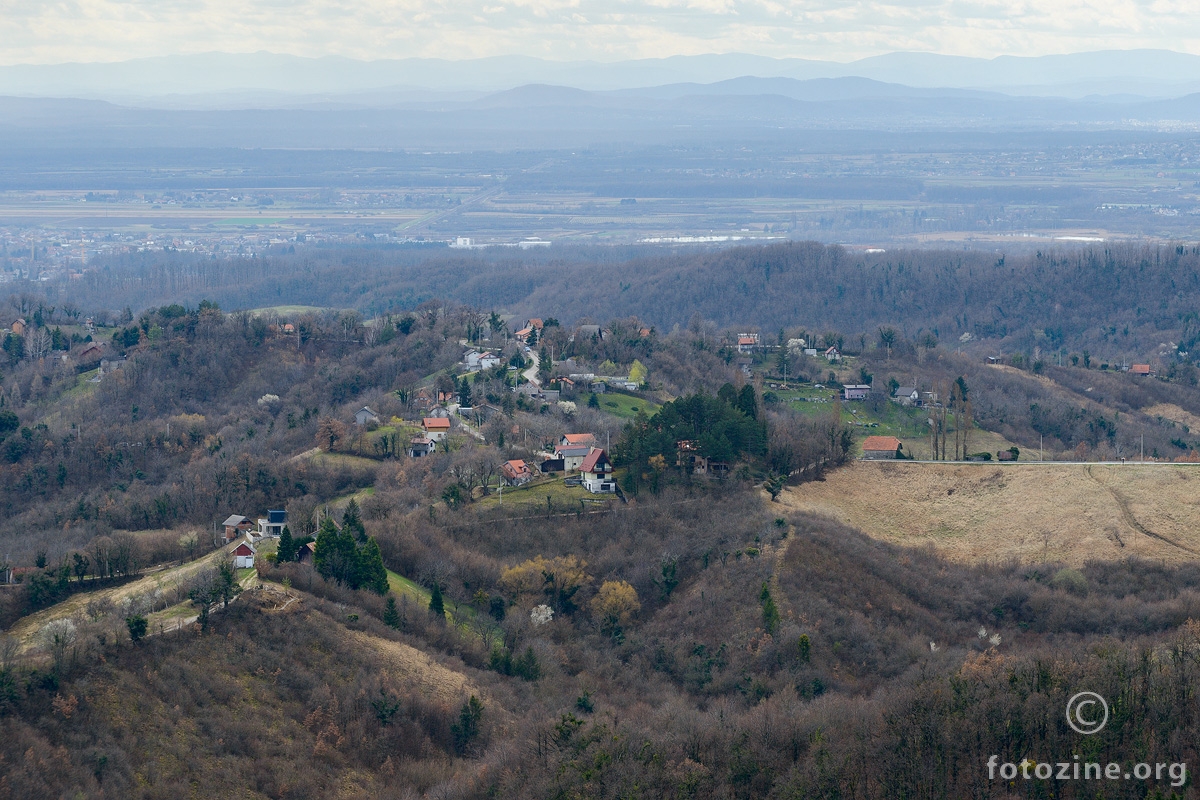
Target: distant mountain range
(552, 116)
(223, 80)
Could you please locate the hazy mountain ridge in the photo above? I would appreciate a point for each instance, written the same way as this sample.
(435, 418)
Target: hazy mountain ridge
(1152, 73)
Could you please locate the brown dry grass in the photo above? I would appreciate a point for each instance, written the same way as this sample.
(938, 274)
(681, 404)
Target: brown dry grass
(1173, 413)
(1030, 512)
(74, 607)
(418, 670)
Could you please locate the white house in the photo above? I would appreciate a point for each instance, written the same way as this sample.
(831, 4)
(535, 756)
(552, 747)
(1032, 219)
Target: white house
(597, 472)
(833, 354)
(419, 446)
(907, 396)
(273, 524)
(856, 391)
(476, 359)
(364, 416)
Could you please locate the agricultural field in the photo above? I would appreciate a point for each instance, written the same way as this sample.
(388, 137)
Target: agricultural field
(1030, 512)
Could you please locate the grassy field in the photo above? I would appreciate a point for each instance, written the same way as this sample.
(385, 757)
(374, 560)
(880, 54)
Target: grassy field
(623, 405)
(343, 460)
(531, 498)
(287, 311)
(889, 419)
(1030, 512)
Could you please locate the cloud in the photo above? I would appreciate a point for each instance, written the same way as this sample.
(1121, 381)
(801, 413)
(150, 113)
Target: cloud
(114, 30)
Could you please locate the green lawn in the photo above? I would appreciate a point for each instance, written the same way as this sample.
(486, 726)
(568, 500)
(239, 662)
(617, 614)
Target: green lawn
(419, 595)
(622, 405)
(532, 498)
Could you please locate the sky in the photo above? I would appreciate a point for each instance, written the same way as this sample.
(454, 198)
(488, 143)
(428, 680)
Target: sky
(58, 31)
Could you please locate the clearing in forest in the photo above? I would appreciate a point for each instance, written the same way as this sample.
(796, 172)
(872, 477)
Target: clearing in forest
(1030, 512)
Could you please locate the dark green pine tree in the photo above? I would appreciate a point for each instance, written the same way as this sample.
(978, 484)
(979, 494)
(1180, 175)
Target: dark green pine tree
(391, 614)
(352, 521)
(371, 572)
(437, 606)
(287, 547)
(325, 554)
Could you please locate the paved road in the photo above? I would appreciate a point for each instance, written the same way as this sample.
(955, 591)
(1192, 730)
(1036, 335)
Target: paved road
(1130, 463)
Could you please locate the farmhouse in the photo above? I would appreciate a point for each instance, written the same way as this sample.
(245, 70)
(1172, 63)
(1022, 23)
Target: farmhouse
(1140, 369)
(364, 416)
(907, 396)
(833, 354)
(880, 447)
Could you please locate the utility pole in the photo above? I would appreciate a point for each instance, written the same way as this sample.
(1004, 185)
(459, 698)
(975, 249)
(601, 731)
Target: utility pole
(1040, 448)
(1143, 458)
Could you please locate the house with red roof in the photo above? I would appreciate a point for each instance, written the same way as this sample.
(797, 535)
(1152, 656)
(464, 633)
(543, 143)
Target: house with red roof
(243, 556)
(516, 473)
(436, 428)
(597, 472)
(880, 447)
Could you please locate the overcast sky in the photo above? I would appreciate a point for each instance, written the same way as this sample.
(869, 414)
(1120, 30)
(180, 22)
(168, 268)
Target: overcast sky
(53, 31)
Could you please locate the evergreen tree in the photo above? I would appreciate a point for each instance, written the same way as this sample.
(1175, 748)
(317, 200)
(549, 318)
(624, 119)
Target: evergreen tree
(747, 402)
(371, 572)
(352, 521)
(287, 547)
(437, 606)
(467, 728)
(137, 627)
(527, 666)
(326, 552)
(391, 614)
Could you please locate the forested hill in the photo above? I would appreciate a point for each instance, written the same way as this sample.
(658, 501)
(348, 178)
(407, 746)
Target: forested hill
(1115, 298)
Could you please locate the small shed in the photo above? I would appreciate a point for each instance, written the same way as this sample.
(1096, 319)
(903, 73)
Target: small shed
(243, 556)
